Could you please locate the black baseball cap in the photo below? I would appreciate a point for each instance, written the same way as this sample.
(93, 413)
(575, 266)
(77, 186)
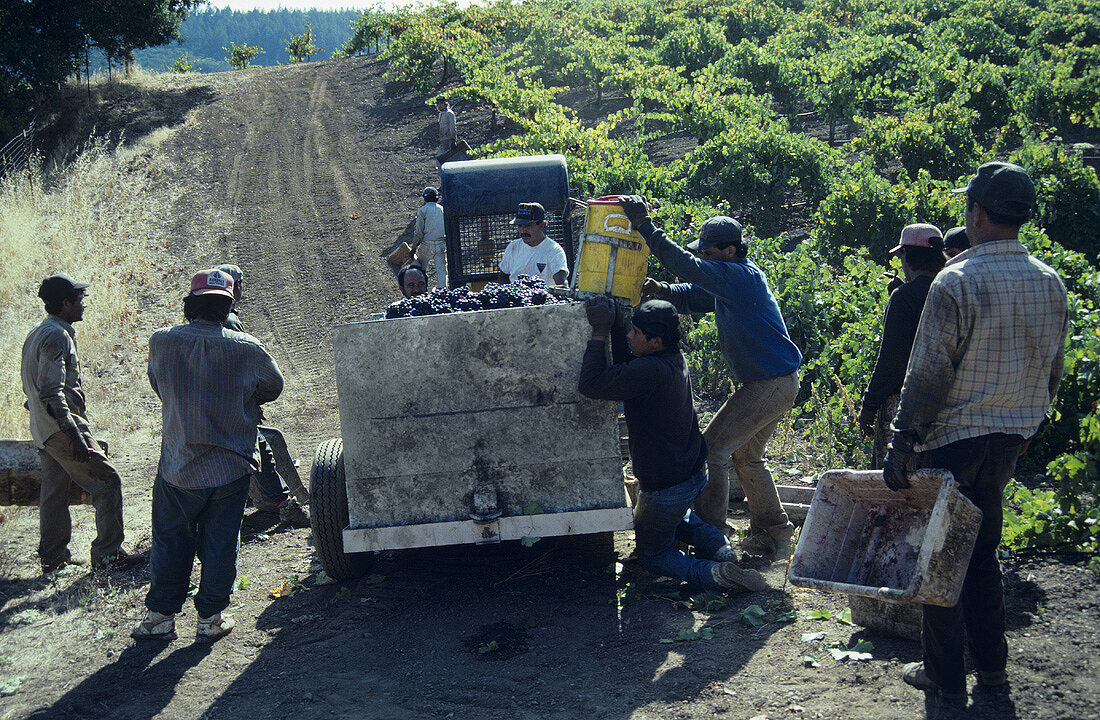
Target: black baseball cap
(956, 238)
(1003, 188)
(656, 317)
(529, 214)
(720, 230)
(430, 193)
(59, 287)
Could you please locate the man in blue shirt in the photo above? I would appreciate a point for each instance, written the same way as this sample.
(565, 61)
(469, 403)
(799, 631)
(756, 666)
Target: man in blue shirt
(762, 361)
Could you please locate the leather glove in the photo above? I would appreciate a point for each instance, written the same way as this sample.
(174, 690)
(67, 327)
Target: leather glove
(898, 454)
(656, 289)
(894, 284)
(867, 420)
(601, 314)
(636, 209)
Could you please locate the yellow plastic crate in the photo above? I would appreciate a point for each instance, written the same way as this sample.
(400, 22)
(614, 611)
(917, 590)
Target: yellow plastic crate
(613, 257)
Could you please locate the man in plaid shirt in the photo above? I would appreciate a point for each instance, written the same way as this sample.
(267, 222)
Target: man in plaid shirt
(986, 363)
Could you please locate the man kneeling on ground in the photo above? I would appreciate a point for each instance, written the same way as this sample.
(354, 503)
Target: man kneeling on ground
(668, 451)
(211, 382)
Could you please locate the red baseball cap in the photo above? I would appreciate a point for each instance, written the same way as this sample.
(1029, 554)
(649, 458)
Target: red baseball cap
(212, 282)
(919, 235)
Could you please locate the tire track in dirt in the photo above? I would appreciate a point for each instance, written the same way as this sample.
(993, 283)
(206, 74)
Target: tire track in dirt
(296, 193)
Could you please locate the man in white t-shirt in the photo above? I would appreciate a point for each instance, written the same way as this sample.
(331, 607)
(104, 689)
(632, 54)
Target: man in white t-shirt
(532, 253)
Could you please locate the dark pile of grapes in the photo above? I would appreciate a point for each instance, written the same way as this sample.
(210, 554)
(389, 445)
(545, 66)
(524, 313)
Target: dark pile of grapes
(527, 290)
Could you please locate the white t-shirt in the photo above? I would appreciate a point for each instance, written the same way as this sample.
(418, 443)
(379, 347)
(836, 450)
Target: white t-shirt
(543, 260)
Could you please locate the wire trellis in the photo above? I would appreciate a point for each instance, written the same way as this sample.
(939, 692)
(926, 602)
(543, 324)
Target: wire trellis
(15, 156)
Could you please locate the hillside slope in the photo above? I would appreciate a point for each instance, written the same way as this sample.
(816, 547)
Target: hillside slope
(306, 176)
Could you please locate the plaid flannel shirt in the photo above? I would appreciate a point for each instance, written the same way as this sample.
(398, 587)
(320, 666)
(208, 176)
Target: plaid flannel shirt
(211, 382)
(989, 350)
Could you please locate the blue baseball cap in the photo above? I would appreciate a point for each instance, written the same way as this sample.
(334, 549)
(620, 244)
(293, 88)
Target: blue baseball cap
(720, 230)
(529, 214)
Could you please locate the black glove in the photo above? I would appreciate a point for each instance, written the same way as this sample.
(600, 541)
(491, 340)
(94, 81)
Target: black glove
(867, 420)
(601, 314)
(894, 284)
(898, 454)
(636, 209)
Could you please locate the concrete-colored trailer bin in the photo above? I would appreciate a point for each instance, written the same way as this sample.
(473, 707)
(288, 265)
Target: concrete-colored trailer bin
(455, 427)
(21, 476)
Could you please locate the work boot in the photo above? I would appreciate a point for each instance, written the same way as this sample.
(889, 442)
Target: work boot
(914, 674)
(49, 566)
(725, 554)
(214, 627)
(155, 626)
(119, 560)
(291, 513)
(772, 543)
(732, 576)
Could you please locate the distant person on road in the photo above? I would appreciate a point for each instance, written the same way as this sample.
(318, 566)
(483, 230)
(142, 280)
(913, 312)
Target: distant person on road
(430, 236)
(649, 375)
(955, 242)
(269, 491)
(59, 426)
(762, 361)
(448, 128)
(413, 280)
(532, 253)
(211, 382)
(920, 250)
(986, 363)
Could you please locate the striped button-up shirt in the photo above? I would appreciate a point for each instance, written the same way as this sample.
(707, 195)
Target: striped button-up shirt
(211, 382)
(990, 348)
(51, 380)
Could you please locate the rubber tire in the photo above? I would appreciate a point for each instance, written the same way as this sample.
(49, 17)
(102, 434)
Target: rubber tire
(328, 505)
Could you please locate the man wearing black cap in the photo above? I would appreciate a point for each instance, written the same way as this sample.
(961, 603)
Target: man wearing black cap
(986, 363)
(761, 358)
(920, 250)
(955, 242)
(668, 453)
(532, 253)
(430, 236)
(59, 426)
(211, 382)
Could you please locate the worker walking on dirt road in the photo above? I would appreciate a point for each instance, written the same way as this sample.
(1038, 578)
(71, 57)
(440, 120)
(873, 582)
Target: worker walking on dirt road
(59, 426)
(269, 490)
(211, 382)
(430, 235)
(761, 358)
(986, 363)
(649, 375)
(532, 253)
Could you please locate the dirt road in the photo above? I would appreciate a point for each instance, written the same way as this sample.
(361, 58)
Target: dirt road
(306, 176)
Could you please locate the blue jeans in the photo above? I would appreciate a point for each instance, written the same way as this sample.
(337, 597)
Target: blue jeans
(665, 516)
(268, 479)
(188, 523)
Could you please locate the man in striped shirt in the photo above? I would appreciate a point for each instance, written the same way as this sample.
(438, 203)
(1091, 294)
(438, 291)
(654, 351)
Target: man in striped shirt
(986, 363)
(211, 382)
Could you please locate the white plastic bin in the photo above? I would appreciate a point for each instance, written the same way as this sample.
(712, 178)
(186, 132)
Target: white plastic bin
(864, 539)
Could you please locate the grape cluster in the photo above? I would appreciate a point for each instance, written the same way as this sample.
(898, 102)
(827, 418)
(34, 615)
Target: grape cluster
(527, 290)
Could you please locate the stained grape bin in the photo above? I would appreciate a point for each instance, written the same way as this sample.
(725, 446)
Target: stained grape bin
(468, 427)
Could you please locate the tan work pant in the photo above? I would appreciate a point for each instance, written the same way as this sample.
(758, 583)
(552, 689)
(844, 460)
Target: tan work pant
(98, 479)
(738, 435)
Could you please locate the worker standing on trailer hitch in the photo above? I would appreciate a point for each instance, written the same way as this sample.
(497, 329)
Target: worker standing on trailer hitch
(762, 361)
(649, 375)
(532, 253)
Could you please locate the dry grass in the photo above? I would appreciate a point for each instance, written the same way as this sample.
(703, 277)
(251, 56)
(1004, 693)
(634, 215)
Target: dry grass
(99, 221)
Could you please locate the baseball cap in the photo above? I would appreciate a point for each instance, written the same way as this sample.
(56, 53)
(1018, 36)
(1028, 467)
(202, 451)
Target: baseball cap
(919, 235)
(59, 287)
(232, 271)
(656, 317)
(720, 230)
(212, 282)
(430, 193)
(529, 214)
(956, 238)
(1003, 188)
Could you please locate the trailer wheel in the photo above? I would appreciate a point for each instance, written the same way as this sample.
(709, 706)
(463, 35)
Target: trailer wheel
(328, 501)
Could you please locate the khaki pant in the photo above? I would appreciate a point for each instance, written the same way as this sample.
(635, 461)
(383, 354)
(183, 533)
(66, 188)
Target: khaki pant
(98, 479)
(738, 435)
